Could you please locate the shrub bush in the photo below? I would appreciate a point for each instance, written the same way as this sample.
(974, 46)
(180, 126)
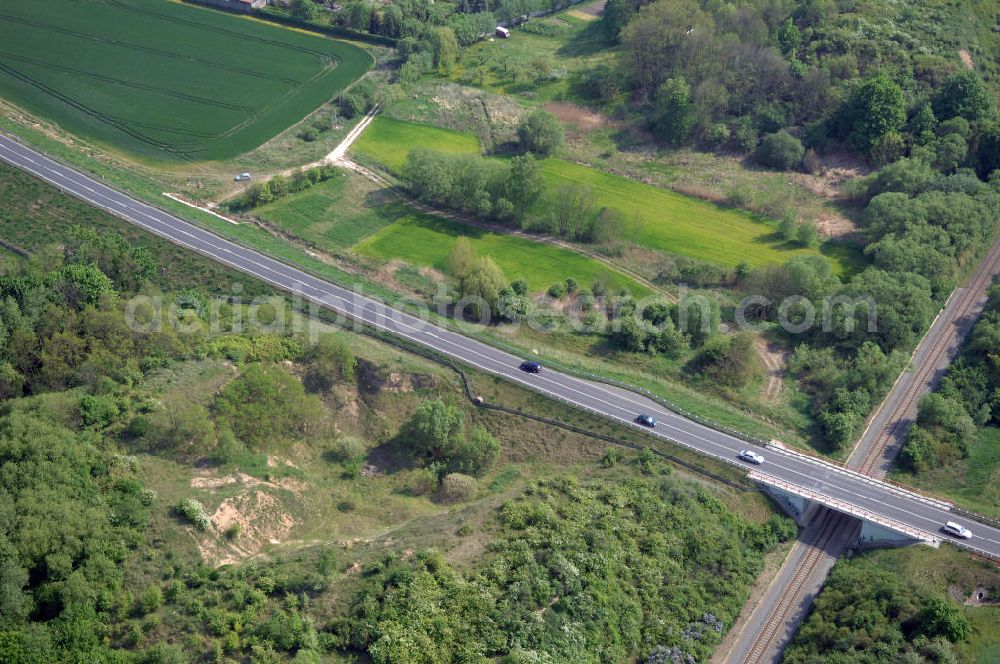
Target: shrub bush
(193, 511)
(780, 150)
(456, 487)
(150, 600)
(345, 448)
(423, 482)
(557, 290)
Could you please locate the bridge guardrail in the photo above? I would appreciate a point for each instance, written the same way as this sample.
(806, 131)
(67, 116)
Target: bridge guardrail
(837, 468)
(977, 551)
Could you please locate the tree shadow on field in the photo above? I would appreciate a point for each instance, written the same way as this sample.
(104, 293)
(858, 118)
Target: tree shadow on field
(379, 198)
(392, 456)
(588, 41)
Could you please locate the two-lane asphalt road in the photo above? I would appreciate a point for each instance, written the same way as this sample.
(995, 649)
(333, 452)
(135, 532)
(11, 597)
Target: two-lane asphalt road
(852, 490)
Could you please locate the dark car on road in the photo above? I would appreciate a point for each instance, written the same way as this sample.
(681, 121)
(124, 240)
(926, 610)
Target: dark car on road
(531, 367)
(646, 420)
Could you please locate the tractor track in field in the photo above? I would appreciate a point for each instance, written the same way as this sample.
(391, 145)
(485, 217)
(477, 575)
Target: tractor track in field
(205, 62)
(42, 77)
(222, 31)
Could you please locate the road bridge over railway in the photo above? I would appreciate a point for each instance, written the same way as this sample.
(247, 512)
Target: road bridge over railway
(825, 536)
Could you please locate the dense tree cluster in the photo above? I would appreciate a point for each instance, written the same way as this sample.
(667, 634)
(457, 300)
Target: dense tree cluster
(415, 21)
(279, 186)
(572, 213)
(265, 403)
(502, 190)
(437, 435)
(67, 326)
(540, 133)
(868, 614)
(844, 387)
(71, 514)
(329, 361)
(923, 228)
(577, 573)
(727, 73)
(483, 288)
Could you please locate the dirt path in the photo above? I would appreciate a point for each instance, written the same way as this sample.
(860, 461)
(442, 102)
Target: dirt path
(339, 152)
(774, 363)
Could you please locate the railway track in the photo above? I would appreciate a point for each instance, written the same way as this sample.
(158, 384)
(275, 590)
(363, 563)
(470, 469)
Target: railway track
(892, 430)
(830, 523)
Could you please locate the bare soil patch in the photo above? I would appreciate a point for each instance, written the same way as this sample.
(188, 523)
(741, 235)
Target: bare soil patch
(256, 510)
(774, 359)
(700, 191)
(386, 274)
(260, 520)
(577, 116)
(212, 481)
(966, 59)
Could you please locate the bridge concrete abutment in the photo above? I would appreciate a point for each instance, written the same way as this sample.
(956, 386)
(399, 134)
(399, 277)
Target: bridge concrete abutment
(797, 507)
(875, 531)
(874, 536)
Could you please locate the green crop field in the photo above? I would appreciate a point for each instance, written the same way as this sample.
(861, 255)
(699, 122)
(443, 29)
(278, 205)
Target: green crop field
(423, 239)
(165, 81)
(668, 221)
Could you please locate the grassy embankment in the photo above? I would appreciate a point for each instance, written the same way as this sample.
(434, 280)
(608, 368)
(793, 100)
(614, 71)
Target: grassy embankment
(972, 482)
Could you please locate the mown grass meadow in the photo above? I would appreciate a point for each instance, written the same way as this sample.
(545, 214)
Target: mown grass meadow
(423, 239)
(165, 81)
(333, 215)
(387, 141)
(663, 220)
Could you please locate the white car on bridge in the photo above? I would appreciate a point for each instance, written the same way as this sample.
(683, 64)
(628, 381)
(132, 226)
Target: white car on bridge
(957, 530)
(751, 457)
